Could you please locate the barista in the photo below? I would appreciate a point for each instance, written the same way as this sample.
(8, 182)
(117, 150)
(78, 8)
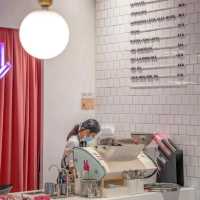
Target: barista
(80, 136)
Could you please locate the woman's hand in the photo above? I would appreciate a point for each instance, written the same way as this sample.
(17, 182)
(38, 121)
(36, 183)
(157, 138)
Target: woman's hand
(67, 151)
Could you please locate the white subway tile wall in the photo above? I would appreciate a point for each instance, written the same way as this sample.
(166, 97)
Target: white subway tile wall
(174, 110)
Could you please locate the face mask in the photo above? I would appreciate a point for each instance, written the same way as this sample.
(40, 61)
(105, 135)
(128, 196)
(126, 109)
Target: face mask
(88, 140)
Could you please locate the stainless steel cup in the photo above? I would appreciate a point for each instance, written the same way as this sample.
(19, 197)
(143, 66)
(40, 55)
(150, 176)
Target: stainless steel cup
(89, 188)
(63, 189)
(50, 188)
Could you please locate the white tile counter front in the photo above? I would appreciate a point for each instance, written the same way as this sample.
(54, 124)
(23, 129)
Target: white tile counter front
(183, 194)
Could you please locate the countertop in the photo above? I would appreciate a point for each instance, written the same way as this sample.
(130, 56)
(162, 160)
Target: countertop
(185, 193)
(182, 194)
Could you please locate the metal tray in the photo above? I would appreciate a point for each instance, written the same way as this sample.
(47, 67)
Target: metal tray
(162, 187)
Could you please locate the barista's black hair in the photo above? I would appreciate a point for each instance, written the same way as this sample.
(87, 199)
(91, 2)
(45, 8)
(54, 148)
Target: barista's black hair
(91, 124)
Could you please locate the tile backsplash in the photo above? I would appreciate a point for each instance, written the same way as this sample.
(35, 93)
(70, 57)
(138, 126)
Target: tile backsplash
(132, 99)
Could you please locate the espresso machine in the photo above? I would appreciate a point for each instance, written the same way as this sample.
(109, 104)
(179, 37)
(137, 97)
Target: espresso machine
(112, 166)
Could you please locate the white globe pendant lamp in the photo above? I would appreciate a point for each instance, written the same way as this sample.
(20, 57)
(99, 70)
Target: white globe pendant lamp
(44, 34)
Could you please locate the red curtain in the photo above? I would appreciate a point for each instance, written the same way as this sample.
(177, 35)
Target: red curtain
(20, 116)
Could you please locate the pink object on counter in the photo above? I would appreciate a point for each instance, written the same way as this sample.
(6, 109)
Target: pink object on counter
(3, 197)
(41, 197)
(37, 197)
